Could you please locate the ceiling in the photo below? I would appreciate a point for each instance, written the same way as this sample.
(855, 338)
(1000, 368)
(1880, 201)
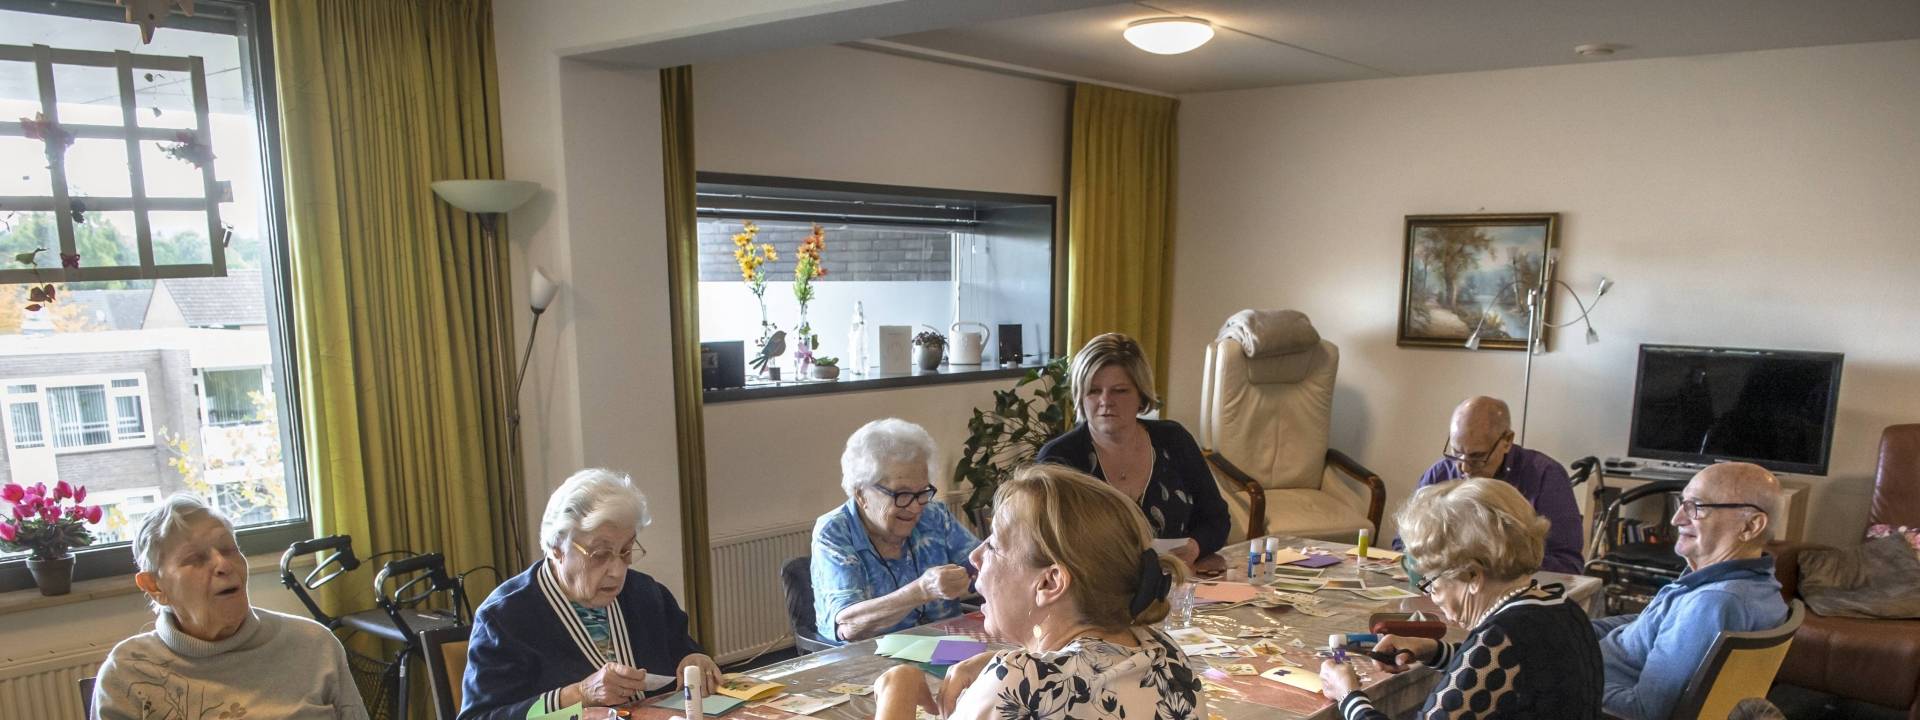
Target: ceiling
(1265, 43)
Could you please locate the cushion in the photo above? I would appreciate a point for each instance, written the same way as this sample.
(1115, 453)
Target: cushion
(1265, 333)
(1878, 579)
(1877, 661)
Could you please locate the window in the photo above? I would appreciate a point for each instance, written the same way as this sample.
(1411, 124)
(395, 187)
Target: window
(159, 367)
(915, 257)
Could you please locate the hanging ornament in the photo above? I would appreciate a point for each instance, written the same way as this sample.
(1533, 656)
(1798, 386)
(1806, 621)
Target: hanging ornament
(149, 14)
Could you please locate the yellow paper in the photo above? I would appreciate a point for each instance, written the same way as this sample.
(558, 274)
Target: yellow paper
(1287, 555)
(746, 687)
(1297, 677)
(1375, 553)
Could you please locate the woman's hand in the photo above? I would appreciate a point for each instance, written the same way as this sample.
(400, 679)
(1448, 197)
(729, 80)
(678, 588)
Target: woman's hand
(612, 684)
(1337, 680)
(959, 676)
(898, 691)
(1406, 651)
(945, 582)
(709, 673)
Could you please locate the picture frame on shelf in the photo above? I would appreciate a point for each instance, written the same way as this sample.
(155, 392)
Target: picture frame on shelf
(1460, 273)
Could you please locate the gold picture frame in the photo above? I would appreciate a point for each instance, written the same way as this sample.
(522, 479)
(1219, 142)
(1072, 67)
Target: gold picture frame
(1462, 273)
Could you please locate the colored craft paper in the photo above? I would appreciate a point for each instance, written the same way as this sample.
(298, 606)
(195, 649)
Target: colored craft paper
(571, 712)
(711, 704)
(948, 652)
(1287, 555)
(1375, 553)
(1297, 677)
(1225, 592)
(1316, 561)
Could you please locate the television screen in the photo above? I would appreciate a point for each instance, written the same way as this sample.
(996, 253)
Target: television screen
(1773, 408)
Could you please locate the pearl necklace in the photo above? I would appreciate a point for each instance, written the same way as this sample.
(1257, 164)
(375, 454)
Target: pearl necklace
(1502, 600)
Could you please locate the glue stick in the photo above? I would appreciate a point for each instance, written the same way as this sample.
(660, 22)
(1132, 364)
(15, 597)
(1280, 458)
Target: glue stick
(692, 686)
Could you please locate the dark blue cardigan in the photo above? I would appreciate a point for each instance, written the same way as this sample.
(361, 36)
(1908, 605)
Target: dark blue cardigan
(522, 652)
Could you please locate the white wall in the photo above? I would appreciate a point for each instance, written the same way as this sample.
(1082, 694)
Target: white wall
(836, 113)
(1756, 200)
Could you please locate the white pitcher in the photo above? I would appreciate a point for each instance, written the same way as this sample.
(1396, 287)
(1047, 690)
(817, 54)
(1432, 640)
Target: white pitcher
(967, 347)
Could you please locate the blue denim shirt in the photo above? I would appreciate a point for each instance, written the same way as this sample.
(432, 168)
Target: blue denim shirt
(1650, 656)
(847, 570)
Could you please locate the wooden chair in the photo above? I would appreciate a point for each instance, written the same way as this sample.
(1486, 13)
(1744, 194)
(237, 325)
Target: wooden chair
(1739, 666)
(444, 652)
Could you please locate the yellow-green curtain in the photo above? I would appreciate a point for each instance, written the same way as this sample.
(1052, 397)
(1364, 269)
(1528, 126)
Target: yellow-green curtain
(683, 291)
(400, 311)
(1120, 220)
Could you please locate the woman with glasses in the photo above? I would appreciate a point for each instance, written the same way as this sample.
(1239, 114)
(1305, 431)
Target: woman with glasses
(1529, 652)
(890, 557)
(1155, 463)
(580, 626)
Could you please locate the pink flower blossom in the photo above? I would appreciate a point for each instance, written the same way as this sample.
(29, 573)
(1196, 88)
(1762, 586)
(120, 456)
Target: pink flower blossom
(20, 511)
(61, 490)
(8, 532)
(75, 511)
(12, 492)
(79, 494)
(94, 513)
(50, 513)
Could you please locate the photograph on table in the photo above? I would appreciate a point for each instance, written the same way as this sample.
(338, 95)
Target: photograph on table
(1475, 276)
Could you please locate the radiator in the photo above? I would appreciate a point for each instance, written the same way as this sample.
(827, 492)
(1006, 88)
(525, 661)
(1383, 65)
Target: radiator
(47, 686)
(749, 604)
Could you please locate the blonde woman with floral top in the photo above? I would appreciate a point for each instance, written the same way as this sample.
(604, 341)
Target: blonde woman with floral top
(1069, 575)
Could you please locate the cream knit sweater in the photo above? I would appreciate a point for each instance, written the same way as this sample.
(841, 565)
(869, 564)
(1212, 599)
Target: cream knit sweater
(275, 666)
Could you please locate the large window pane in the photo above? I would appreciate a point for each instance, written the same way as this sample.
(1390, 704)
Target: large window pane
(230, 396)
(26, 426)
(79, 416)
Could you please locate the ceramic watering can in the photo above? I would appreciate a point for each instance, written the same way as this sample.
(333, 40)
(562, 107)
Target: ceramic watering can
(967, 347)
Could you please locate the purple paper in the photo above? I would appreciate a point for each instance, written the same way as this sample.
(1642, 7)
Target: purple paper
(949, 652)
(1316, 561)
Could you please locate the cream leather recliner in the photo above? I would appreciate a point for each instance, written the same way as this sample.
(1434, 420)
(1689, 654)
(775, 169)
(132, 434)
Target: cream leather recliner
(1264, 423)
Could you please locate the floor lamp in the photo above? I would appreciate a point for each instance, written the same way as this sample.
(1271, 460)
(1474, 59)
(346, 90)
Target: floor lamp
(1535, 324)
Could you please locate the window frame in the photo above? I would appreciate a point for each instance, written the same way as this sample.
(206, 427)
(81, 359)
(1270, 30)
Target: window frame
(104, 381)
(256, 50)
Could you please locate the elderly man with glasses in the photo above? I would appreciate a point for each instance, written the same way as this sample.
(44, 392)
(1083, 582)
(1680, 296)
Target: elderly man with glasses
(1722, 525)
(1480, 444)
(890, 557)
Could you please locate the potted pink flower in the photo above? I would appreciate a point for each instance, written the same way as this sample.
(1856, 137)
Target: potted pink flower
(48, 522)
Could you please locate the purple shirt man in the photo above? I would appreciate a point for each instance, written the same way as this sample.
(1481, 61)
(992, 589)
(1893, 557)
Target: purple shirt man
(1544, 482)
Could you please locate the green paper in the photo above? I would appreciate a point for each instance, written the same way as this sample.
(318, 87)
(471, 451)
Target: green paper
(912, 648)
(571, 712)
(710, 704)
(938, 671)
(890, 644)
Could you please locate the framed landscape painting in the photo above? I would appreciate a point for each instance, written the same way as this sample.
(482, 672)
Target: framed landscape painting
(1473, 272)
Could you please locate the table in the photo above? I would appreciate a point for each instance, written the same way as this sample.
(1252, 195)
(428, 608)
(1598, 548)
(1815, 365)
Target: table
(1230, 698)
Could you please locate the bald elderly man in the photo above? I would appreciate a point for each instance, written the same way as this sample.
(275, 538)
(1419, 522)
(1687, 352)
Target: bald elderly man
(1723, 522)
(1480, 444)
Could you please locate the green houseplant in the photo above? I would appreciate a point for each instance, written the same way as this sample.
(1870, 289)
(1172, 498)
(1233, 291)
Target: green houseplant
(1011, 434)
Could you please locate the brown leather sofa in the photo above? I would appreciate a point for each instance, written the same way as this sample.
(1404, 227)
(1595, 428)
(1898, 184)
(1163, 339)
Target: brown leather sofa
(1873, 661)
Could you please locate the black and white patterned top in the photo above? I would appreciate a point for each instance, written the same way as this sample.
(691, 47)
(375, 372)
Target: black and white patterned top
(1089, 679)
(1181, 499)
(1527, 659)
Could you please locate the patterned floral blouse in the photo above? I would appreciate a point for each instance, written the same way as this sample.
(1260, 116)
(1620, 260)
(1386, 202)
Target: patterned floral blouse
(1089, 679)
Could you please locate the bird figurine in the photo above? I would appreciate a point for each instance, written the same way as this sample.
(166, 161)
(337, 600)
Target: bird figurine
(775, 346)
(150, 13)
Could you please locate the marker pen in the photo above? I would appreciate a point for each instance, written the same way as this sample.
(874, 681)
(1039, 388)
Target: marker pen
(692, 686)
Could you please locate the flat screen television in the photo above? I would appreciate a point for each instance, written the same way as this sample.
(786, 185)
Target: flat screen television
(1773, 408)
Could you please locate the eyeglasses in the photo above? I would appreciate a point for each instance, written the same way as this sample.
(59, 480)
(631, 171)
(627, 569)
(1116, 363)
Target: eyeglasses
(1697, 510)
(902, 499)
(602, 557)
(1475, 459)
(1425, 586)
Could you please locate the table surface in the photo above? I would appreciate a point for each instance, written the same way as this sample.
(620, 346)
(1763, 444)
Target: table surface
(1228, 697)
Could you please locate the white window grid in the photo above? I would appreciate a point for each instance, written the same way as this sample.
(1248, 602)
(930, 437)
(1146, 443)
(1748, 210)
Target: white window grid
(32, 393)
(60, 202)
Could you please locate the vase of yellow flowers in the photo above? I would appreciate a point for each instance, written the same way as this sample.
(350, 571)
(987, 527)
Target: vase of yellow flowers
(807, 268)
(752, 258)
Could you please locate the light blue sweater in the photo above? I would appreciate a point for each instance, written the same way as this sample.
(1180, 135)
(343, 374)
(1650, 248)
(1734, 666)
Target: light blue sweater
(1650, 656)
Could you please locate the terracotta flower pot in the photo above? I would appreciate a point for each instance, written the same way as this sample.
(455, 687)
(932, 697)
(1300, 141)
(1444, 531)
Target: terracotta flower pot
(54, 576)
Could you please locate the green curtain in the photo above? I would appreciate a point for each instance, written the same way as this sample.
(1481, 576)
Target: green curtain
(683, 289)
(1120, 220)
(400, 310)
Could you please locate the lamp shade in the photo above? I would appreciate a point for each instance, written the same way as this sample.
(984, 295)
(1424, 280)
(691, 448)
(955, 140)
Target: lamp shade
(1168, 35)
(540, 290)
(485, 196)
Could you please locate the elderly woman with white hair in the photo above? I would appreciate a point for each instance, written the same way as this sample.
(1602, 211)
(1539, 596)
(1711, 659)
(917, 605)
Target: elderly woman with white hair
(210, 651)
(890, 557)
(580, 627)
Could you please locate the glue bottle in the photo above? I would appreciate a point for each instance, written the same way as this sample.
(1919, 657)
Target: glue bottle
(692, 687)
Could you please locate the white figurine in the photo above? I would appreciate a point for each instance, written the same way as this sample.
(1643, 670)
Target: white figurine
(856, 361)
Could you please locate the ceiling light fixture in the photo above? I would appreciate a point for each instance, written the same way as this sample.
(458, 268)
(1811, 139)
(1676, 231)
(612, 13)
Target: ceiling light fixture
(1168, 35)
(1595, 50)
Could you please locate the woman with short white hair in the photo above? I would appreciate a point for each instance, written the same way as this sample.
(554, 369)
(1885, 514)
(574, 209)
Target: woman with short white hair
(580, 627)
(1529, 652)
(210, 651)
(890, 557)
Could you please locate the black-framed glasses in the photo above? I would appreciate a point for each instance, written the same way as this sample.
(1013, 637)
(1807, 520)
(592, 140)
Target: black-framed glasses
(602, 557)
(1425, 586)
(903, 498)
(1475, 459)
(1697, 510)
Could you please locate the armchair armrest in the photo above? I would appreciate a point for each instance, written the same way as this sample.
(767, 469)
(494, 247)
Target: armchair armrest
(1256, 495)
(1376, 489)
